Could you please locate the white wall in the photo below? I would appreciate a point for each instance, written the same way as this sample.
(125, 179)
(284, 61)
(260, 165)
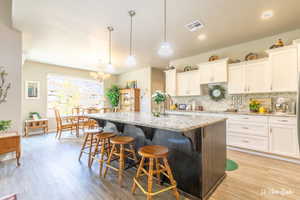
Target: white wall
(143, 78)
(238, 51)
(35, 71)
(11, 59)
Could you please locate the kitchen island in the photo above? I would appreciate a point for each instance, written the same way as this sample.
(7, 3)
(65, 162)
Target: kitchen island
(197, 145)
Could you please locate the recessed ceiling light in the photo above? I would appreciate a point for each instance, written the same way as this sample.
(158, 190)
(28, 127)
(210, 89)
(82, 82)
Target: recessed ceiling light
(267, 14)
(202, 37)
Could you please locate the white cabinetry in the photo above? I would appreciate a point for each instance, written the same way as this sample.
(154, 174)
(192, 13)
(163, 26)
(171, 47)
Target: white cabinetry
(250, 132)
(249, 77)
(170, 84)
(236, 76)
(257, 76)
(188, 83)
(213, 72)
(283, 136)
(283, 62)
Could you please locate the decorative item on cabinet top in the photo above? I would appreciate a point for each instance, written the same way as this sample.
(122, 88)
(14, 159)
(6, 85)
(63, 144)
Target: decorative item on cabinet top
(251, 56)
(279, 43)
(213, 58)
(189, 68)
(170, 67)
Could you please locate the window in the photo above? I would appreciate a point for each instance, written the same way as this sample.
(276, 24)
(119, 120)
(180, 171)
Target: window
(65, 93)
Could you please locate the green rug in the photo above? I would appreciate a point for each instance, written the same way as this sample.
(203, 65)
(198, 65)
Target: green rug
(231, 165)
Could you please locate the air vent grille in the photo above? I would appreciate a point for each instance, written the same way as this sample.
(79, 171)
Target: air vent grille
(195, 25)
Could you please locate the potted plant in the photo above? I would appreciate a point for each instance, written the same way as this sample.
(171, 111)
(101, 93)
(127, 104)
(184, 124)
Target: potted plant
(159, 98)
(254, 106)
(4, 125)
(113, 95)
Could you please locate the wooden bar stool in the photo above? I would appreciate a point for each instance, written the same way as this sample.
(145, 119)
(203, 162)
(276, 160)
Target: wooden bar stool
(154, 153)
(88, 143)
(103, 141)
(118, 150)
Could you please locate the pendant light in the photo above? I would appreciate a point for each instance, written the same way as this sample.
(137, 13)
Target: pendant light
(131, 61)
(110, 67)
(165, 49)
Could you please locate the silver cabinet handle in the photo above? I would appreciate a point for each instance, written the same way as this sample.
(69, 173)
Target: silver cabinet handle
(245, 141)
(283, 120)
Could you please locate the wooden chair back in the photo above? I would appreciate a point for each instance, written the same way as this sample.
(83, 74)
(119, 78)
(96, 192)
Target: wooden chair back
(92, 110)
(58, 118)
(77, 111)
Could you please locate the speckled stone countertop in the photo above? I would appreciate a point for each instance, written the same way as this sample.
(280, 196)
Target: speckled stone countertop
(178, 123)
(230, 113)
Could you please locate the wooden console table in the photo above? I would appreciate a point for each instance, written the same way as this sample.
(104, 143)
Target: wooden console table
(36, 124)
(10, 142)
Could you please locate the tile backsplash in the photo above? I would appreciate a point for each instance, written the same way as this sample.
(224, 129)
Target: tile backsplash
(211, 105)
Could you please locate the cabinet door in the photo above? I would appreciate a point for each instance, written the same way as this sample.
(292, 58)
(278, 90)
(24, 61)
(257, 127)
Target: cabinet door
(193, 83)
(171, 82)
(284, 70)
(258, 77)
(206, 73)
(220, 72)
(236, 83)
(182, 84)
(283, 140)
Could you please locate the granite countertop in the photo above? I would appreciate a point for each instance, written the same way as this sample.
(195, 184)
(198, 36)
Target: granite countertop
(232, 113)
(177, 123)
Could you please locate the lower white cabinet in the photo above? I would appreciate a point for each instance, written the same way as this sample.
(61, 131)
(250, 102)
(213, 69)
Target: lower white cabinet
(283, 137)
(277, 135)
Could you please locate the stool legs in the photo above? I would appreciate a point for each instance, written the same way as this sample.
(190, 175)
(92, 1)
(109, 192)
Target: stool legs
(138, 174)
(159, 169)
(83, 146)
(122, 164)
(102, 156)
(90, 150)
(109, 159)
(173, 182)
(150, 179)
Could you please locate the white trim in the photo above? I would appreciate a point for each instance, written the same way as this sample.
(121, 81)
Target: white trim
(265, 155)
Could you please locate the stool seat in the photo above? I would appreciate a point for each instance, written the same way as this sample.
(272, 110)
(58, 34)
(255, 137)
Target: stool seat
(153, 151)
(105, 135)
(122, 140)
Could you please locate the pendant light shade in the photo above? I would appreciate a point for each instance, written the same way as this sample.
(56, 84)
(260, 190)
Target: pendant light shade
(165, 49)
(110, 68)
(131, 61)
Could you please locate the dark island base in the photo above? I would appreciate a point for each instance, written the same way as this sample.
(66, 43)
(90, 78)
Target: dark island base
(197, 158)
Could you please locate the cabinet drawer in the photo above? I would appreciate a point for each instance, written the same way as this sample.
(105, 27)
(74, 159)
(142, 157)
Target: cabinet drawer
(248, 129)
(249, 119)
(283, 120)
(254, 143)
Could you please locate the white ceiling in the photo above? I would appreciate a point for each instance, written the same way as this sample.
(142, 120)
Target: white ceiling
(73, 32)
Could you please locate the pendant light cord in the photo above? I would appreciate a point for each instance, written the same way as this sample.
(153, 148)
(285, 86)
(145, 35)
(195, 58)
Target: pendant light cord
(110, 45)
(165, 20)
(130, 50)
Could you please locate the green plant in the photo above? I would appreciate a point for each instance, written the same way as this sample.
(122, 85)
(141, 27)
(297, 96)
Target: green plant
(113, 95)
(34, 113)
(159, 97)
(5, 124)
(254, 106)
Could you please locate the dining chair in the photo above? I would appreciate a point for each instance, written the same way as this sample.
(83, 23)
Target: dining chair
(64, 124)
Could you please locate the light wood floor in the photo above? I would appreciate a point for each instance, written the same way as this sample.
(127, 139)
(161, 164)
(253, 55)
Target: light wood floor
(50, 171)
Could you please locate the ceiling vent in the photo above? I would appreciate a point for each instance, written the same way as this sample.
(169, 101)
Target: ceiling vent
(195, 25)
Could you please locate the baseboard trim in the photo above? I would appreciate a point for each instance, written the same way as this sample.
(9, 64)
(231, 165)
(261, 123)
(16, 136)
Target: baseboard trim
(296, 161)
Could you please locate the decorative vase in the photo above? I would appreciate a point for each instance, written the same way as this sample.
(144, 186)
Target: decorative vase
(159, 110)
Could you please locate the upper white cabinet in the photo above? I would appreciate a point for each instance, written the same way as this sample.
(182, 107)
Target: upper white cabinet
(249, 77)
(257, 76)
(188, 83)
(283, 63)
(170, 83)
(213, 72)
(236, 77)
